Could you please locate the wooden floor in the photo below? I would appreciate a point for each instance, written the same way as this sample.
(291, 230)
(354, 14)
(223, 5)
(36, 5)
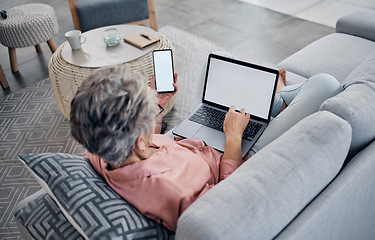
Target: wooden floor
(254, 30)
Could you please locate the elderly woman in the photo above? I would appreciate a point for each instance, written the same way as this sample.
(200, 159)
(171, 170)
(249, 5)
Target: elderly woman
(114, 116)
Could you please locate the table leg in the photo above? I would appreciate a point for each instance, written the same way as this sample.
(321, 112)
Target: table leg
(13, 59)
(3, 79)
(52, 45)
(38, 48)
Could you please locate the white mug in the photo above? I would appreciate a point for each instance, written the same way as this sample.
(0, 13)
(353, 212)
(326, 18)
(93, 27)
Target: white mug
(74, 38)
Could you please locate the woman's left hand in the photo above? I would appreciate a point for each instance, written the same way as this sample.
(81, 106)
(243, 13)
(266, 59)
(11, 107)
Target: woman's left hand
(164, 97)
(235, 123)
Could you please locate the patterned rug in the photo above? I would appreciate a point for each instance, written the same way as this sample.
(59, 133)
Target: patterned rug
(31, 122)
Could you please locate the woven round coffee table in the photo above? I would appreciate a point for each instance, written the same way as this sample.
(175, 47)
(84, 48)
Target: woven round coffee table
(67, 68)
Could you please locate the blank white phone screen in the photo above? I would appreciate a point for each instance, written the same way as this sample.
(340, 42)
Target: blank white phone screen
(163, 71)
(244, 87)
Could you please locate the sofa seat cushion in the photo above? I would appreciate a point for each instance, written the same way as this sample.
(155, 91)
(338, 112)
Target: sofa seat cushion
(336, 54)
(271, 188)
(356, 104)
(293, 79)
(87, 201)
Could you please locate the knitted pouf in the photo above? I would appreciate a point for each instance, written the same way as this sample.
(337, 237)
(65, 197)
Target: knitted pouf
(28, 25)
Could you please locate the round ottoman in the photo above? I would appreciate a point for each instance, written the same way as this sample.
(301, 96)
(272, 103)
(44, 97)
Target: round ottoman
(28, 25)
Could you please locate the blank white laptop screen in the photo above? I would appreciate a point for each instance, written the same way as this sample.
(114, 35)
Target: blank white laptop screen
(244, 87)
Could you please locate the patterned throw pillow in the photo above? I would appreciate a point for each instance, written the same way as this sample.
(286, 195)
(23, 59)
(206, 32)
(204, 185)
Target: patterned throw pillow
(42, 218)
(87, 201)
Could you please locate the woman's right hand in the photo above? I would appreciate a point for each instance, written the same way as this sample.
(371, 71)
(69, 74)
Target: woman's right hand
(164, 97)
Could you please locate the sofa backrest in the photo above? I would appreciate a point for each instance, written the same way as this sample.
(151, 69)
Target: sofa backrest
(271, 188)
(356, 104)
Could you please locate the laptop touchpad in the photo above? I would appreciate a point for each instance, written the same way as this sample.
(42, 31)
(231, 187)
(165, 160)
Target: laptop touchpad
(212, 137)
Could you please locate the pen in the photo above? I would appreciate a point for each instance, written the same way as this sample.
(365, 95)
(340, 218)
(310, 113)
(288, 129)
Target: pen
(145, 36)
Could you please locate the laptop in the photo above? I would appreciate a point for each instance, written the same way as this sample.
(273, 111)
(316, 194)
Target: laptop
(231, 82)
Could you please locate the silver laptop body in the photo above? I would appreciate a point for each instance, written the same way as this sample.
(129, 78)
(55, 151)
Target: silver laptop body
(231, 82)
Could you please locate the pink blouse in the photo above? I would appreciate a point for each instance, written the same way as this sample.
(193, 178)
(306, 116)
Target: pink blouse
(164, 185)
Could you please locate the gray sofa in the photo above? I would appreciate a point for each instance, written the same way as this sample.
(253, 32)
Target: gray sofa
(316, 181)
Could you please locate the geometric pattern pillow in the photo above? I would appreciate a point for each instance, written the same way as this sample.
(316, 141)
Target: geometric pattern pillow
(87, 201)
(42, 219)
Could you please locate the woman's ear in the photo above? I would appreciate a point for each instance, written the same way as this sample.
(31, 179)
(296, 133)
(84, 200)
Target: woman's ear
(140, 143)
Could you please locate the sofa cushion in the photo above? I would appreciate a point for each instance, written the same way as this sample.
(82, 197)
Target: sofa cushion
(87, 201)
(362, 74)
(271, 188)
(41, 218)
(293, 79)
(345, 209)
(360, 23)
(336, 54)
(356, 104)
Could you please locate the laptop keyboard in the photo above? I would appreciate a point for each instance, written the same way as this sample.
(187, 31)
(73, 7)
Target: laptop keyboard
(215, 119)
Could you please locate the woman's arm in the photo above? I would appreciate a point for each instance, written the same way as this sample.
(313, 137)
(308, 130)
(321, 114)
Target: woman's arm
(234, 125)
(163, 99)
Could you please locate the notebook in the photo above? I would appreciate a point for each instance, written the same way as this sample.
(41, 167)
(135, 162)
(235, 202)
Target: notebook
(231, 82)
(141, 40)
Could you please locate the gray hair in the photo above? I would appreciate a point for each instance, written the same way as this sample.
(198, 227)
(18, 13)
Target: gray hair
(110, 110)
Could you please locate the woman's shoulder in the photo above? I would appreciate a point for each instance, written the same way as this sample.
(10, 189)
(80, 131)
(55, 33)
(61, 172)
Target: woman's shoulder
(161, 139)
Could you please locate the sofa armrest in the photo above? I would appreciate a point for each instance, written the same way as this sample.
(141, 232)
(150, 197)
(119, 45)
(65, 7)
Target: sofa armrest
(271, 188)
(358, 23)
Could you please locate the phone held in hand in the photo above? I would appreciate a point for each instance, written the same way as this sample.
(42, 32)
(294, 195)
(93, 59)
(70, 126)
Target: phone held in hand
(163, 70)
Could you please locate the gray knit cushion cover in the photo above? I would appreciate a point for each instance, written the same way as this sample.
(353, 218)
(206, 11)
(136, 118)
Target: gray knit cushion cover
(28, 25)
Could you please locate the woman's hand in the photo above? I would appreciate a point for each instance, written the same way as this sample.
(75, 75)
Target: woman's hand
(164, 97)
(234, 125)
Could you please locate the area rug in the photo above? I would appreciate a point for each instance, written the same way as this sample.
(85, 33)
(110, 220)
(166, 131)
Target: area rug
(31, 122)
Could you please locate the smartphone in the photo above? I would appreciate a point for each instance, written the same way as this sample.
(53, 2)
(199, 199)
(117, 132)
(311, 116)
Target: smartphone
(163, 70)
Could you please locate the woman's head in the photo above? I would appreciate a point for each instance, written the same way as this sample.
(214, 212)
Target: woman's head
(110, 110)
